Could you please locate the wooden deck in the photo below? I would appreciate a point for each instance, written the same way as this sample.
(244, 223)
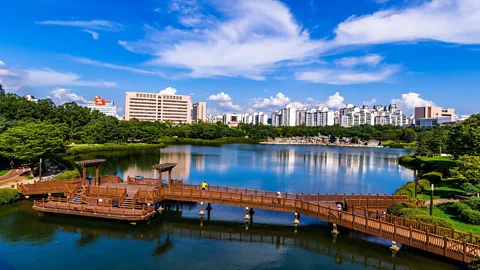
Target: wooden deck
(364, 211)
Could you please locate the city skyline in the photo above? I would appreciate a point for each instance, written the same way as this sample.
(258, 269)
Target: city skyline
(248, 56)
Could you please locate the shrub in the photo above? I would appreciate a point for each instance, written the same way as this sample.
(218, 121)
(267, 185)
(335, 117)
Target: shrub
(67, 175)
(469, 187)
(396, 208)
(434, 220)
(29, 176)
(433, 177)
(424, 185)
(411, 213)
(466, 213)
(8, 195)
(473, 203)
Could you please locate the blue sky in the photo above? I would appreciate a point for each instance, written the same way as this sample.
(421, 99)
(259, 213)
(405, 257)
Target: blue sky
(246, 55)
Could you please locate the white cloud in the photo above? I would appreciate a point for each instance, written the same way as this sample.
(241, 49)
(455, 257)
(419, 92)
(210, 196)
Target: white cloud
(409, 101)
(113, 66)
(340, 77)
(46, 77)
(2, 63)
(254, 37)
(6, 72)
(371, 102)
(371, 60)
(225, 101)
(62, 95)
(213, 111)
(168, 91)
(431, 20)
(94, 24)
(157, 10)
(280, 100)
(335, 101)
(381, 1)
(94, 34)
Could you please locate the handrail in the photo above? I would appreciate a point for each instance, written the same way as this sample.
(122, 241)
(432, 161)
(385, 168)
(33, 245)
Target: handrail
(460, 246)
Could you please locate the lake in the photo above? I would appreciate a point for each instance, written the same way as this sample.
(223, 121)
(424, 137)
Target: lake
(176, 240)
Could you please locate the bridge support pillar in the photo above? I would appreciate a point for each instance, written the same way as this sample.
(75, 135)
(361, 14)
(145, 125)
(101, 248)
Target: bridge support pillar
(335, 230)
(251, 212)
(160, 208)
(395, 249)
(209, 209)
(247, 215)
(202, 210)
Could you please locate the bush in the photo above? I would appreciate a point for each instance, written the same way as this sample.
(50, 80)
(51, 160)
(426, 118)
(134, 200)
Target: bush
(411, 213)
(423, 185)
(434, 220)
(9, 195)
(469, 187)
(409, 188)
(466, 213)
(433, 177)
(396, 208)
(473, 203)
(67, 175)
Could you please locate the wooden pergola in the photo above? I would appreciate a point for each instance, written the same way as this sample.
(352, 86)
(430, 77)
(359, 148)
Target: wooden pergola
(90, 163)
(165, 167)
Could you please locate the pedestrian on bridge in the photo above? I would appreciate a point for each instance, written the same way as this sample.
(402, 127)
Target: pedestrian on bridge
(204, 186)
(279, 197)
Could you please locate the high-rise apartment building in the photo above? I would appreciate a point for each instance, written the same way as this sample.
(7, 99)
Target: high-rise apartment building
(106, 107)
(158, 107)
(199, 112)
(434, 112)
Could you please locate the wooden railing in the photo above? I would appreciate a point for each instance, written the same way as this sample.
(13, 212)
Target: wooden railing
(422, 237)
(144, 181)
(44, 187)
(302, 196)
(61, 205)
(110, 179)
(97, 195)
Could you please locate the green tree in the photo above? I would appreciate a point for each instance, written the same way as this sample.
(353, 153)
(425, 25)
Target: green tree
(464, 138)
(468, 169)
(31, 141)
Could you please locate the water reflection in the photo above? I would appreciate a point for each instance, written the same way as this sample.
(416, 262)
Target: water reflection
(287, 168)
(173, 241)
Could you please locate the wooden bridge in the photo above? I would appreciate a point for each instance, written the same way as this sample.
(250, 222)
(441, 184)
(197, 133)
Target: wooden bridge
(114, 199)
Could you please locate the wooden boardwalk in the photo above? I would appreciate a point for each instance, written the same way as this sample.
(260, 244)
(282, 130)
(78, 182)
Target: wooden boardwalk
(360, 217)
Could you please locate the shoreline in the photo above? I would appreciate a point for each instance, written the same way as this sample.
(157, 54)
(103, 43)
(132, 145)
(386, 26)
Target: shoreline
(323, 144)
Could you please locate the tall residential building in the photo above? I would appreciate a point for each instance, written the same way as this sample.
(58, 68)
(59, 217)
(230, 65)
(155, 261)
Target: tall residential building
(158, 107)
(434, 112)
(199, 112)
(106, 107)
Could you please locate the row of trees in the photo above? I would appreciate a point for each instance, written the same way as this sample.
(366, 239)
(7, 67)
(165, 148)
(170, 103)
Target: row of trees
(31, 130)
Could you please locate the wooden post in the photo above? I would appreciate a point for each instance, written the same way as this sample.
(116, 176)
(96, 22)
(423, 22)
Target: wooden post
(84, 172)
(96, 182)
(431, 200)
(410, 237)
(464, 250)
(170, 177)
(445, 245)
(40, 170)
(427, 242)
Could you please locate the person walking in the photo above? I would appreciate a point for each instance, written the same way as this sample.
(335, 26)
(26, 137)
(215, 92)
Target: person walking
(204, 186)
(279, 197)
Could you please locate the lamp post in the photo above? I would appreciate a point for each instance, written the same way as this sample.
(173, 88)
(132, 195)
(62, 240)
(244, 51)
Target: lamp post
(431, 199)
(416, 182)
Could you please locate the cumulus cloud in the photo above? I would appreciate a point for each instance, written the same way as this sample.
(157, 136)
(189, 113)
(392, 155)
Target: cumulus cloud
(335, 101)
(94, 24)
(168, 91)
(225, 101)
(62, 95)
(431, 20)
(279, 100)
(341, 77)
(371, 60)
(213, 111)
(371, 102)
(94, 34)
(409, 101)
(6, 72)
(2, 63)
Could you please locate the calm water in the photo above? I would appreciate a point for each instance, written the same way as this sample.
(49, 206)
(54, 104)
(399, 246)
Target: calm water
(175, 240)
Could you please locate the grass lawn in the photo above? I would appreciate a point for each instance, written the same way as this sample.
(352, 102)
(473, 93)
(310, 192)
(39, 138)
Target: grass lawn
(394, 144)
(440, 211)
(3, 172)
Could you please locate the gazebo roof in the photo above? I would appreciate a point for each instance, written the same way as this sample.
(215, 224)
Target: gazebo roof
(91, 163)
(163, 167)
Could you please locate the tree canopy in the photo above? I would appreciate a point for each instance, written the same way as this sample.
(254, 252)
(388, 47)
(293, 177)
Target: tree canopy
(464, 139)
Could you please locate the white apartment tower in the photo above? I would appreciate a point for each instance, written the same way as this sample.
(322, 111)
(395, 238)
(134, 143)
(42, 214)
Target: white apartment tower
(199, 112)
(157, 107)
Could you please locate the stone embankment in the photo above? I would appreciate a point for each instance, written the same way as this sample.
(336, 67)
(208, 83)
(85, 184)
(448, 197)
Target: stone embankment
(324, 140)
